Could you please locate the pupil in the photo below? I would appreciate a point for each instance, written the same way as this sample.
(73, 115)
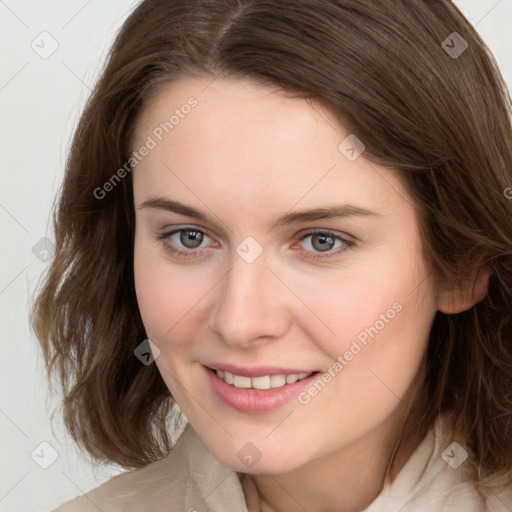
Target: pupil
(191, 239)
(325, 242)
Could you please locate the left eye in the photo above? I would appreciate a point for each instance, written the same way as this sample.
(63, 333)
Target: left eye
(322, 244)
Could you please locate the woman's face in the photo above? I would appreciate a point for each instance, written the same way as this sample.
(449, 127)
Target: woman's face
(255, 286)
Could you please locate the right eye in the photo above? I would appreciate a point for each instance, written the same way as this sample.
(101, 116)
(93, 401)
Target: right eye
(183, 242)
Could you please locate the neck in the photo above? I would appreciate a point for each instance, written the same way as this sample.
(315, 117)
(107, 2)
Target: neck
(345, 481)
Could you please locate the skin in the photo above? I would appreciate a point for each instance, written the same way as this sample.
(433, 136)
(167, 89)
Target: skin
(245, 155)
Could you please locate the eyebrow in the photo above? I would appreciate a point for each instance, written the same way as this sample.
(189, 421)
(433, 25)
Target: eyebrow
(327, 212)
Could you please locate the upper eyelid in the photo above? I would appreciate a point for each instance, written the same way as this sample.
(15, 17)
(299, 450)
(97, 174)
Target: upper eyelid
(318, 231)
(184, 228)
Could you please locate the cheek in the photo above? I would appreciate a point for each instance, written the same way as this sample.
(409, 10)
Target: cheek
(362, 301)
(169, 296)
(159, 295)
(398, 351)
(381, 318)
(380, 375)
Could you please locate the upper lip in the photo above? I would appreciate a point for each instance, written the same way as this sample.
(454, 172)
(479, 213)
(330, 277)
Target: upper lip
(256, 371)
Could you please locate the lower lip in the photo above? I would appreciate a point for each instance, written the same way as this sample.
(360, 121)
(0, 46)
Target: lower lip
(256, 400)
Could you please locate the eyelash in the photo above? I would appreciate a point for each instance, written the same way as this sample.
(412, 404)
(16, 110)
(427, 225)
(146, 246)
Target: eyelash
(163, 237)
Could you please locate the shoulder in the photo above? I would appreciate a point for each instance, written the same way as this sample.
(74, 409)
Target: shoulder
(184, 480)
(499, 499)
(441, 475)
(157, 481)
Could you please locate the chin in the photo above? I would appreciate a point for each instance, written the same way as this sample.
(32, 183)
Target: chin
(250, 459)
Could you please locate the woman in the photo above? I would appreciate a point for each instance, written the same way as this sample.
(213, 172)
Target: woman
(290, 224)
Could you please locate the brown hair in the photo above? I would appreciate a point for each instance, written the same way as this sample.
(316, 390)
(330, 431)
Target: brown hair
(441, 120)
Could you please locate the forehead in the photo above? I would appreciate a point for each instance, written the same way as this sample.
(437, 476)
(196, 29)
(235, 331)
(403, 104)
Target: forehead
(227, 109)
(258, 146)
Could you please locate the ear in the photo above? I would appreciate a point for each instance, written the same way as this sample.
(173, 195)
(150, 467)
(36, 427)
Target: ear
(468, 292)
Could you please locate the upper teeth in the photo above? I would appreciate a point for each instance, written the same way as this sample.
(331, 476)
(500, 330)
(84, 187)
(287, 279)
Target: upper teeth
(263, 382)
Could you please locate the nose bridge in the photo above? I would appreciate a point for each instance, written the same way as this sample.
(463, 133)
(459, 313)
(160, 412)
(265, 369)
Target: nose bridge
(247, 306)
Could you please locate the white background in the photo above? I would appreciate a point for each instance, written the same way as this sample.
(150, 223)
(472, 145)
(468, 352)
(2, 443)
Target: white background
(40, 103)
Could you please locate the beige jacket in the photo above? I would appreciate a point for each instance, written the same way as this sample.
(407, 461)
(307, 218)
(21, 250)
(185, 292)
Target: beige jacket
(190, 479)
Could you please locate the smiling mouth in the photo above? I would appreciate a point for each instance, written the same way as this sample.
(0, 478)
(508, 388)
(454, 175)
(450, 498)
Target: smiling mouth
(261, 382)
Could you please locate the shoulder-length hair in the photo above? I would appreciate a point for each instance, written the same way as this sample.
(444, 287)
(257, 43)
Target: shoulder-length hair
(411, 78)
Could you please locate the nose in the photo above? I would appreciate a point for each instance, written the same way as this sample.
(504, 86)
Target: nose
(250, 305)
